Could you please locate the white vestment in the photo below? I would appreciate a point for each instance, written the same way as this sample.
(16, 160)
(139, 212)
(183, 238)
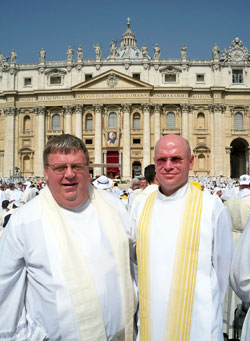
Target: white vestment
(34, 299)
(3, 196)
(145, 192)
(214, 259)
(240, 275)
(239, 208)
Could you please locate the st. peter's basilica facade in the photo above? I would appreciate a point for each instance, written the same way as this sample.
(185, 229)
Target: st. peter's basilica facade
(121, 105)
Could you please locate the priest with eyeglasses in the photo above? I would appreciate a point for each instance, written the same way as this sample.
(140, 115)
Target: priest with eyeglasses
(64, 258)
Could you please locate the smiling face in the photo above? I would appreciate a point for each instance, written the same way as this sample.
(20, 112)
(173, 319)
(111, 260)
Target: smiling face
(172, 163)
(70, 189)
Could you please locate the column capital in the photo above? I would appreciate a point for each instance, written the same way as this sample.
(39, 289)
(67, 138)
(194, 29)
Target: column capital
(157, 107)
(217, 107)
(79, 108)
(10, 111)
(98, 108)
(186, 107)
(68, 109)
(40, 110)
(126, 107)
(145, 107)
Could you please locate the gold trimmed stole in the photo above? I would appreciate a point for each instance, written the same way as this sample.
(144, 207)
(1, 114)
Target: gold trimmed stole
(77, 275)
(182, 287)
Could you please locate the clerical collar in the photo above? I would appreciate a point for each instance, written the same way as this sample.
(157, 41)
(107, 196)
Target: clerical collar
(180, 193)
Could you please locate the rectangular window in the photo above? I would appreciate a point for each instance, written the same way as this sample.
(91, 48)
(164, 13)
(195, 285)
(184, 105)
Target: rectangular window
(237, 76)
(200, 78)
(27, 81)
(136, 76)
(88, 76)
(54, 80)
(170, 78)
(88, 141)
(136, 141)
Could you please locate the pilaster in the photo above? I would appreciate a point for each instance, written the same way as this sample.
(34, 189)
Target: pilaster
(157, 123)
(219, 152)
(98, 138)
(40, 113)
(9, 143)
(68, 113)
(126, 172)
(146, 134)
(185, 108)
(78, 120)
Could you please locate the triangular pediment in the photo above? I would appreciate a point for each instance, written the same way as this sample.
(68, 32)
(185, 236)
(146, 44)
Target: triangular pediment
(170, 69)
(112, 80)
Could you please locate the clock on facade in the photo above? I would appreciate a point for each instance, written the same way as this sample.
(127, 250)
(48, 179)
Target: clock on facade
(237, 55)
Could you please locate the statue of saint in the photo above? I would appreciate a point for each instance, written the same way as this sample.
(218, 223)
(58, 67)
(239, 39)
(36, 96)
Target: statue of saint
(79, 52)
(42, 55)
(112, 49)
(215, 51)
(13, 56)
(184, 52)
(98, 51)
(144, 51)
(157, 52)
(70, 53)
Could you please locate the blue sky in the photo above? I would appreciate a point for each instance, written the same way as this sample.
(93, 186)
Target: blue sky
(29, 25)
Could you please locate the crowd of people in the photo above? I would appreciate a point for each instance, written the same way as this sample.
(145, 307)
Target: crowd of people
(91, 259)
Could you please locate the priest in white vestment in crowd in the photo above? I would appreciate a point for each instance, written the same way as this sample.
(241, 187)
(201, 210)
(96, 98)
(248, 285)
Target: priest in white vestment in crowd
(64, 258)
(240, 276)
(183, 249)
(239, 209)
(150, 176)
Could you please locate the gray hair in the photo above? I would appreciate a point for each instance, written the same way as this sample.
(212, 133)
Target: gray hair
(64, 144)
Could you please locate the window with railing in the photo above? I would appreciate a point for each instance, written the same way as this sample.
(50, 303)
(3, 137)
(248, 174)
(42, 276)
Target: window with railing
(136, 121)
(170, 120)
(238, 121)
(112, 122)
(89, 122)
(56, 122)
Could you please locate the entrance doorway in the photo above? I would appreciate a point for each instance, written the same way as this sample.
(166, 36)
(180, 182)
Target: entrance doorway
(113, 158)
(239, 157)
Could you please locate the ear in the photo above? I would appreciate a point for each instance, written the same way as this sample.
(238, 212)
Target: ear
(46, 173)
(191, 162)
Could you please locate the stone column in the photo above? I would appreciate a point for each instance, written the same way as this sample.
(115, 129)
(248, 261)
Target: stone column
(78, 121)
(40, 112)
(68, 112)
(98, 139)
(157, 123)
(219, 152)
(9, 143)
(125, 171)
(146, 135)
(184, 120)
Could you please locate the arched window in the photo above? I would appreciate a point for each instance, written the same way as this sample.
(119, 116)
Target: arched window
(170, 120)
(89, 122)
(56, 122)
(201, 161)
(26, 163)
(136, 121)
(238, 121)
(27, 123)
(201, 120)
(112, 123)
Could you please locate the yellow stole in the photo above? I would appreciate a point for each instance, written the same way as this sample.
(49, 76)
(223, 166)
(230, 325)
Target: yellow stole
(182, 287)
(77, 275)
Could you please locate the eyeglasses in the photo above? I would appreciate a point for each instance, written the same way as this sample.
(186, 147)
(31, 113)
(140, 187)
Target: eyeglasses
(60, 168)
(173, 160)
